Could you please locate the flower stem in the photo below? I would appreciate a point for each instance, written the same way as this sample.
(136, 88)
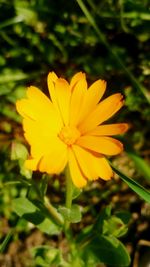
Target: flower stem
(69, 193)
(57, 217)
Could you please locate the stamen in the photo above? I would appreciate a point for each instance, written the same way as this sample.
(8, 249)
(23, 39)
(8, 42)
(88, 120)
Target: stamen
(69, 135)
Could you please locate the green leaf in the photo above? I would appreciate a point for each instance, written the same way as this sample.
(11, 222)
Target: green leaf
(29, 211)
(104, 215)
(3, 245)
(75, 214)
(108, 250)
(18, 151)
(72, 215)
(125, 216)
(114, 226)
(135, 186)
(11, 21)
(76, 192)
(140, 163)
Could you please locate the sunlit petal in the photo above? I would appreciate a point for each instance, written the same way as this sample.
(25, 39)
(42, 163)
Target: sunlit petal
(54, 162)
(104, 110)
(103, 145)
(91, 99)
(110, 129)
(76, 78)
(77, 99)
(93, 166)
(63, 95)
(77, 176)
(51, 79)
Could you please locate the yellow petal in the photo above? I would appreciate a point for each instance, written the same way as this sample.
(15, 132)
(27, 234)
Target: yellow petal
(51, 79)
(92, 166)
(104, 110)
(63, 95)
(54, 162)
(105, 171)
(110, 129)
(77, 99)
(25, 109)
(77, 176)
(41, 140)
(38, 107)
(76, 78)
(32, 164)
(52, 76)
(38, 133)
(92, 97)
(103, 145)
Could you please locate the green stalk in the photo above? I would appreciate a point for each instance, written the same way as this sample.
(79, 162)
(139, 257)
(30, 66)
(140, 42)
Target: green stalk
(53, 212)
(69, 193)
(103, 39)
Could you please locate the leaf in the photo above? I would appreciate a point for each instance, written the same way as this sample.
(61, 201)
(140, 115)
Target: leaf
(76, 192)
(72, 215)
(114, 226)
(140, 164)
(108, 250)
(18, 151)
(125, 216)
(75, 214)
(135, 186)
(29, 211)
(3, 245)
(104, 215)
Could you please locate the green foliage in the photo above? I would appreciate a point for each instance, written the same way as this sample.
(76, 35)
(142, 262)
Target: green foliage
(72, 215)
(106, 249)
(108, 40)
(100, 243)
(19, 152)
(37, 215)
(141, 191)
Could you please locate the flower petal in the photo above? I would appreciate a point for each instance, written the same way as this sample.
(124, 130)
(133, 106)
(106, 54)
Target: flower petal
(38, 107)
(77, 176)
(63, 95)
(92, 97)
(32, 164)
(40, 132)
(103, 145)
(51, 79)
(76, 78)
(77, 99)
(41, 139)
(54, 162)
(104, 110)
(60, 93)
(92, 166)
(110, 129)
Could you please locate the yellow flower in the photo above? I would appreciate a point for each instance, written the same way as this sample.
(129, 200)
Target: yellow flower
(68, 128)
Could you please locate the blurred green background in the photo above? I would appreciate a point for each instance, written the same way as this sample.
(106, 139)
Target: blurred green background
(111, 42)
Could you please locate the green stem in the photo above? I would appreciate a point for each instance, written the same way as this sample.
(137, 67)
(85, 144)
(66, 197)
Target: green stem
(57, 217)
(69, 193)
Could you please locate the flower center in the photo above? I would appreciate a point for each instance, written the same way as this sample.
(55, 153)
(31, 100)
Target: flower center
(69, 135)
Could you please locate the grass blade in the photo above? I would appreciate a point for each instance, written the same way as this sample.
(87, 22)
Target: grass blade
(3, 245)
(135, 186)
(141, 164)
